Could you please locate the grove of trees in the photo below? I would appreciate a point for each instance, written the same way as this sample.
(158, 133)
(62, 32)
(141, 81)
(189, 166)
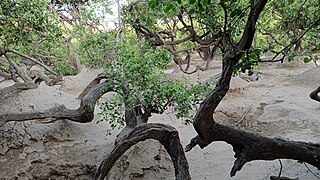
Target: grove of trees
(59, 37)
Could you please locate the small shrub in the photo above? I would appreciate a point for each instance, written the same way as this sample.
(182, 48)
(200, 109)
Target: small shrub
(64, 68)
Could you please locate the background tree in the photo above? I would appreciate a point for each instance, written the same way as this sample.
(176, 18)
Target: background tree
(179, 30)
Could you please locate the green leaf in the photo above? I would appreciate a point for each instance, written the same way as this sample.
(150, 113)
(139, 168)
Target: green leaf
(306, 60)
(152, 4)
(291, 58)
(192, 2)
(169, 7)
(178, 1)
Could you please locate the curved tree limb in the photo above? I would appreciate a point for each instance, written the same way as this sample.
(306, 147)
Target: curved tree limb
(249, 146)
(91, 84)
(84, 114)
(314, 94)
(203, 121)
(166, 135)
(16, 87)
(133, 118)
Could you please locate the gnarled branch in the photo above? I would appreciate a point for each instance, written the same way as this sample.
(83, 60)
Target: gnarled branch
(85, 113)
(249, 146)
(166, 135)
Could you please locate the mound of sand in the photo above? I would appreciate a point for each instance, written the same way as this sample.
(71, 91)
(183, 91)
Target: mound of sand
(69, 150)
(309, 78)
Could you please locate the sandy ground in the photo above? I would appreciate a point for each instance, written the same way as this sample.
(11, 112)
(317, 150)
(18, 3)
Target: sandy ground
(276, 105)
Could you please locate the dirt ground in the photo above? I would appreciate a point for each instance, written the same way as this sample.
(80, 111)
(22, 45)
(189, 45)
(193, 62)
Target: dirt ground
(274, 102)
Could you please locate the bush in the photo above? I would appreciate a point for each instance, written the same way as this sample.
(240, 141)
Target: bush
(64, 68)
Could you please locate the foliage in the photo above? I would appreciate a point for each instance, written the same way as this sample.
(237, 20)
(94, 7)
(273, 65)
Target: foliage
(24, 22)
(286, 20)
(142, 82)
(44, 29)
(97, 49)
(249, 61)
(62, 67)
(112, 112)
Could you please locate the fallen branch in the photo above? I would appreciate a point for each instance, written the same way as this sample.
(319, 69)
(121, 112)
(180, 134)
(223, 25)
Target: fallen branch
(18, 86)
(84, 114)
(38, 76)
(27, 57)
(165, 134)
(249, 146)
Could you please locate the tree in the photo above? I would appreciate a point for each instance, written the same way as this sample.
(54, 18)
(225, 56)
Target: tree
(36, 33)
(149, 94)
(26, 27)
(179, 30)
(247, 146)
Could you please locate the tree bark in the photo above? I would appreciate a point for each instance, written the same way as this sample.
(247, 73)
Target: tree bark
(166, 135)
(19, 86)
(84, 114)
(133, 118)
(314, 94)
(249, 146)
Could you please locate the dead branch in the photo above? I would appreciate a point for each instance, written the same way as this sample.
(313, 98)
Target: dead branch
(91, 84)
(314, 94)
(165, 134)
(85, 113)
(280, 178)
(18, 86)
(38, 76)
(249, 147)
(30, 58)
(21, 71)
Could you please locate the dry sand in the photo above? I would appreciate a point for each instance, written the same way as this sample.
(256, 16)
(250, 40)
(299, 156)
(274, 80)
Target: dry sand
(277, 105)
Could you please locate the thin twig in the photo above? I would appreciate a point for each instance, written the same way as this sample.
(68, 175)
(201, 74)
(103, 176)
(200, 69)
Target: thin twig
(288, 47)
(318, 177)
(243, 116)
(280, 168)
